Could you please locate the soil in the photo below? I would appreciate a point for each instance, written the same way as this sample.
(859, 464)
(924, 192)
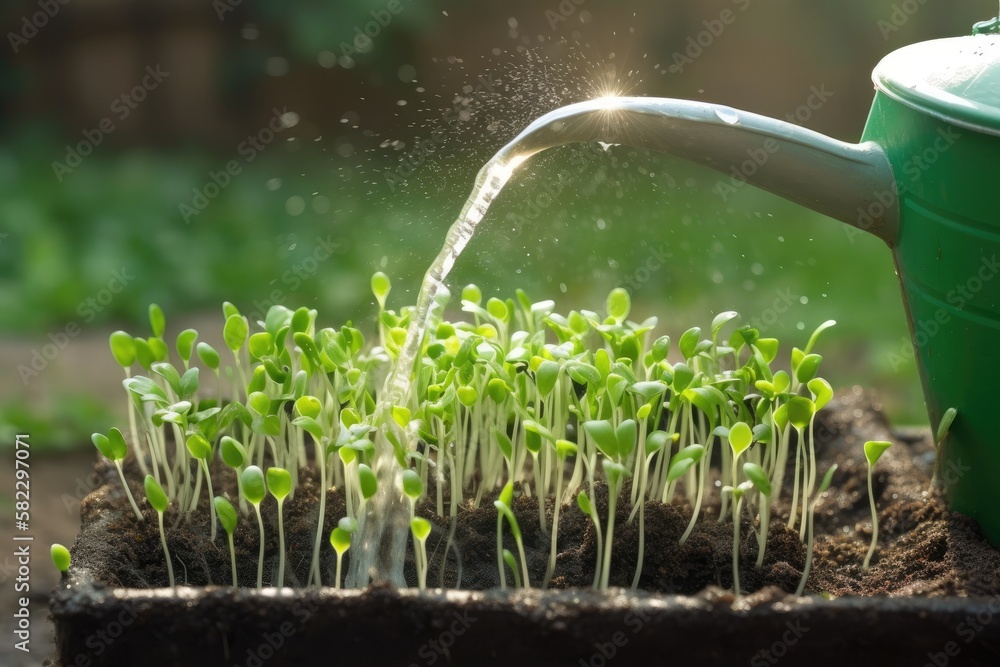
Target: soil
(924, 549)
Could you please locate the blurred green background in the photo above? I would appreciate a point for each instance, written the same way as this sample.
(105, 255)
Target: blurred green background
(380, 137)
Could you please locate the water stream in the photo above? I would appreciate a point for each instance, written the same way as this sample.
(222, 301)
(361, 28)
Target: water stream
(636, 121)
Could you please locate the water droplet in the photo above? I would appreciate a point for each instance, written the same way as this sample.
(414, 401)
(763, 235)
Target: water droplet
(327, 59)
(273, 184)
(321, 204)
(727, 115)
(407, 73)
(276, 66)
(800, 326)
(803, 300)
(295, 205)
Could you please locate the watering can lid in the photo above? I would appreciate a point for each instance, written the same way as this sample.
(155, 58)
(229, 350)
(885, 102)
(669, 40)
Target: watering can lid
(956, 79)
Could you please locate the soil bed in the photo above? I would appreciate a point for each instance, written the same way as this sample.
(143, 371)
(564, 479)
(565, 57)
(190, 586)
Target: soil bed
(934, 558)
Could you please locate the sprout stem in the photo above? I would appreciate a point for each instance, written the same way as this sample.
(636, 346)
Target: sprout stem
(128, 492)
(871, 497)
(281, 545)
(232, 559)
(166, 551)
(260, 557)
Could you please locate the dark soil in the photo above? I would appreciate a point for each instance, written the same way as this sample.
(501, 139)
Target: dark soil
(925, 549)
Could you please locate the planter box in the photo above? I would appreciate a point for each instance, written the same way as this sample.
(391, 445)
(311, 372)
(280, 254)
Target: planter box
(214, 626)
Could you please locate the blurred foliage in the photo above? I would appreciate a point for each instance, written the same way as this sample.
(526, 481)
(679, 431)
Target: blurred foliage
(63, 425)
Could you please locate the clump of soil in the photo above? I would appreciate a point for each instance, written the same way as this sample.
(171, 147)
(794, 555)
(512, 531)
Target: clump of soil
(925, 549)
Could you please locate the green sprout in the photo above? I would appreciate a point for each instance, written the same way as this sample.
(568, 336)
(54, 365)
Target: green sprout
(255, 491)
(227, 517)
(340, 540)
(158, 499)
(873, 452)
(512, 395)
(939, 436)
(824, 485)
(279, 483)
(201, 450)
(421, 528)
(504, 512)
(114, 448)
(60, 557)
(511, 562)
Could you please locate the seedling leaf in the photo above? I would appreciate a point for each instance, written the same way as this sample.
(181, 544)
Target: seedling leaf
(227, 515)
(874, 450)
(253, 484)
(154, 493)
(60, 557)
(758, 476)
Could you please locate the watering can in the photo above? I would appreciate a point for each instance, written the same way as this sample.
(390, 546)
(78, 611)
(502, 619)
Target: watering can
(922, 180)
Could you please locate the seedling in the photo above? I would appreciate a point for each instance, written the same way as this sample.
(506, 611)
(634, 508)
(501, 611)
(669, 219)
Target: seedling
(824, 485)
(255, 491)
(514, 394)
(158, 500)
(201, 450)
(939, 435)
(503, 507)
(421, 528)
(340, 540)
(60, 557)
(227, 517)
(114, 448)
(279, 483)
(511, 562)
(873, 452)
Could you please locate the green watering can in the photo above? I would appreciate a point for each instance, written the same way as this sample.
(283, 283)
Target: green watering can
(922, 180)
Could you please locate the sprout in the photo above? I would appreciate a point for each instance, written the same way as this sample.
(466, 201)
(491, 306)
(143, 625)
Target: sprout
(279, 483)
(60, 557)
(421, 528)
(564, 449)
(511, 562)
(824, 485)
(114, 448)
(340, 540)
(939, 435)
(201, 450)
(504, 512)
(227, 517)
(159, 502)
(873, 452)
(255, 491)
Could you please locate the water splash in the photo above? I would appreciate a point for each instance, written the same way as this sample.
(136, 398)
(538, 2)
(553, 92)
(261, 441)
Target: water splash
(384, 534)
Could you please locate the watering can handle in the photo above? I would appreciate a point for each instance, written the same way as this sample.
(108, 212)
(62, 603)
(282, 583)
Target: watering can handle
(852, 183)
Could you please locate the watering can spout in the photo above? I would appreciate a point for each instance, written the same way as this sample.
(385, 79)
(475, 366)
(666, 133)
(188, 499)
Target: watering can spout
(844, 181)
